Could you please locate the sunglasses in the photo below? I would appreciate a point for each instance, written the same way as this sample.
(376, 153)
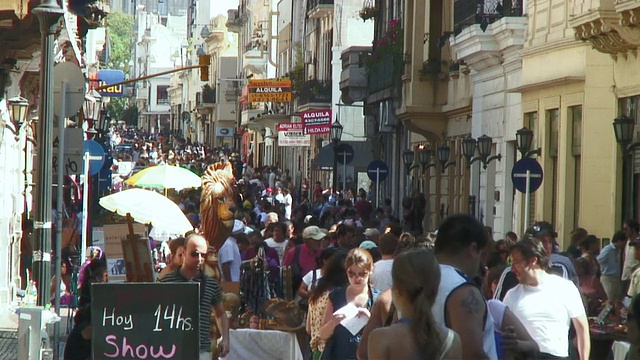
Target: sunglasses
(196, 253)
(360, 274)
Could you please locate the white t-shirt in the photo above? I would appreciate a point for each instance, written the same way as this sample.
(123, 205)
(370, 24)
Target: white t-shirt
(229, 252)
(381, 275)
(308, 278)
(546, 311)
(278, 246)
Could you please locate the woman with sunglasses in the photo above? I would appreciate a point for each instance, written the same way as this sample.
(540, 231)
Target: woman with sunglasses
(340, 342)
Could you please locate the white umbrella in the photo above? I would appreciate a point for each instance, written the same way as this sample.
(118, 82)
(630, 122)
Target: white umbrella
(148, 207)
(165, 177)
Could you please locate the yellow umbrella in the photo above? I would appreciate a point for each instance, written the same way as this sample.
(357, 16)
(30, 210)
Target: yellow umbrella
(165, 177)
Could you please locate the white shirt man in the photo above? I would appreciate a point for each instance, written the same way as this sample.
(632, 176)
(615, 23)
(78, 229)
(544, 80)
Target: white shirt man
(546, 304)
(229, 259)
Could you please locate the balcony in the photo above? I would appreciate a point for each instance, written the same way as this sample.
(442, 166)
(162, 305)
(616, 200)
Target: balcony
(611, 26)
(314, 94)
(353, 78)
(206, 98)
(233, 20)
(317, 9)
(384, 72)
(483, 12)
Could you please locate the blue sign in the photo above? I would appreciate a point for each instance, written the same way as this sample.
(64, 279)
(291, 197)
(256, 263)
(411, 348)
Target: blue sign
(94, 149)
(519, 175)
(106, 77)
(377, 170)
(345, 153)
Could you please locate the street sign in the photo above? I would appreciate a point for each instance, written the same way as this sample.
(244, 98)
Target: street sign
(69, 73)
(95, 150)
(345, 153)
(72, 161)
(377, 171)
(107, 77)
(519, 175)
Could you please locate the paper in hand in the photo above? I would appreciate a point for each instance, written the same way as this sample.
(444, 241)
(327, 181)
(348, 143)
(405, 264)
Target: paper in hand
(352, 321)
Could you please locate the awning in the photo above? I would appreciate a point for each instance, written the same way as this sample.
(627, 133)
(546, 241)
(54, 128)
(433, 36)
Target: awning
(362, 158)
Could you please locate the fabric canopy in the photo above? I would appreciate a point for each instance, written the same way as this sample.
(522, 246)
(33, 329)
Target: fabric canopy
(363, 155)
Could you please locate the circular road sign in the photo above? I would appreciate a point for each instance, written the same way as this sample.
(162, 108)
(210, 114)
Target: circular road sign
(345, 153)
(94, 149)
(71, 74)
(519, 175)
(377, 170)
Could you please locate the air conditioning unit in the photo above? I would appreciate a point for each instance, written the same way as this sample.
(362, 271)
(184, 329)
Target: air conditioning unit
(308, 57)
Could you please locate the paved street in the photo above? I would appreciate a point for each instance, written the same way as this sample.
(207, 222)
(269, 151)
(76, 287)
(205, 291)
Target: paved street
(8, 345)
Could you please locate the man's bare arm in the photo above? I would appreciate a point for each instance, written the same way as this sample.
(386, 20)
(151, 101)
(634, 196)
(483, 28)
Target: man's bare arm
(465, 311)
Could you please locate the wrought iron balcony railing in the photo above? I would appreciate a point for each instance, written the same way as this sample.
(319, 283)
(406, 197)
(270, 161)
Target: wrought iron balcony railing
(314, 91)
(384, 72)
(483, 12)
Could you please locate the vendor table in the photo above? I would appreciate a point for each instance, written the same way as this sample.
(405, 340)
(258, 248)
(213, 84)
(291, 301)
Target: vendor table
(263, 344)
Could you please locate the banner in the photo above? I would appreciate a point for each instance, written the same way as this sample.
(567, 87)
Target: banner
(292, 134)
(316, 121)
(270, 90)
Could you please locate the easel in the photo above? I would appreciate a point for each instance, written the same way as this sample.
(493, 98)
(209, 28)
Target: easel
(137, 256)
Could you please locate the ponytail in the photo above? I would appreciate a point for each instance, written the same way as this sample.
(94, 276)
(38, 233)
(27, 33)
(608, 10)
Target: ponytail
(423, 326)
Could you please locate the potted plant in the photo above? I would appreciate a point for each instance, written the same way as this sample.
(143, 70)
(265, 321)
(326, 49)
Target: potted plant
(369, 10)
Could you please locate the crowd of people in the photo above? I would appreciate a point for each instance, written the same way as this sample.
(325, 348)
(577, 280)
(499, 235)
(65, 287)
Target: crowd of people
(453, 294)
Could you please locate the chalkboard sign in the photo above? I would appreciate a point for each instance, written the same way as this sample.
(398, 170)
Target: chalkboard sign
(145, 320)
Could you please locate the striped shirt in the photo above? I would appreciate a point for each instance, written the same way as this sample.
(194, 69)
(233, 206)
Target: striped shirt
(209, 296)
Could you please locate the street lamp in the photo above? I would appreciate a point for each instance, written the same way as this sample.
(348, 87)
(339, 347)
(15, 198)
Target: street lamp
(424, 158)
(263, 132)
(92, 107)
(18, 107)
(444, 152)
(336, 135)
(483, 144)
(623, 127)
(524, 138)
(407, 159)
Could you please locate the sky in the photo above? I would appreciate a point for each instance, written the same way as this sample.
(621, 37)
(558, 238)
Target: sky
(221, 6)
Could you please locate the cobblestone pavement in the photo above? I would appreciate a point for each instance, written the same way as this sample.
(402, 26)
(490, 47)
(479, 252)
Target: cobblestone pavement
(8, 345)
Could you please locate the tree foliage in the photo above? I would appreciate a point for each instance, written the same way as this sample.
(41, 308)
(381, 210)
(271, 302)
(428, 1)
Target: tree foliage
(121, 42)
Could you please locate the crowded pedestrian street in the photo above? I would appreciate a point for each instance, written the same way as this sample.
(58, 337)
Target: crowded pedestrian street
(319, 179)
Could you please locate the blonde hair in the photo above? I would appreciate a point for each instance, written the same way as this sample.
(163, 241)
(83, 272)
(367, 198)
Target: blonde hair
(359, 257)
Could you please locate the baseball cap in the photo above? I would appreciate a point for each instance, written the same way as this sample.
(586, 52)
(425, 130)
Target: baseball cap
(313, 232)
(238, 227)
(368, 244)
(541, 228)
(371, 232)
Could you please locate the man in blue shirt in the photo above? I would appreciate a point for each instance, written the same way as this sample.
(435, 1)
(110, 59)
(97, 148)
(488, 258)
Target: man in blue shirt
(610, 266)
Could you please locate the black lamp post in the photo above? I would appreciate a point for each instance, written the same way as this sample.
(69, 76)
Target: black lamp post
(444, 152)
(623, 127)
(483, 144)
(524, 138)
(407, 158)
(424, 158)
(92, 108)
(263, 132)
(336, 135)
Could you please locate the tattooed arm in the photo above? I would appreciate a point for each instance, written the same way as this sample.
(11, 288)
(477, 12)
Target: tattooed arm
(465, 313)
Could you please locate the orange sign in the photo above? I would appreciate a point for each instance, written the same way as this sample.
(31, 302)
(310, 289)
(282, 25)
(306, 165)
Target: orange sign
(269, 83)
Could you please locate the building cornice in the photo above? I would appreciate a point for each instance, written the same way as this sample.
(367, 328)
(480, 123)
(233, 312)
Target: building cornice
(547, 84)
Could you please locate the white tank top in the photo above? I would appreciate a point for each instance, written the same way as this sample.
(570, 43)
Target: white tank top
(451, 279)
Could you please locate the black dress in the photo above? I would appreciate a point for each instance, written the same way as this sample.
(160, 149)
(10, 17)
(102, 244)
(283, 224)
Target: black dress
(77, 347)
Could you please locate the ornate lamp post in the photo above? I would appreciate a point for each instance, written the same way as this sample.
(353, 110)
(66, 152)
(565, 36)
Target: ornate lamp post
(524, 138)
(336, 136)
(18, 108)
(407, 158)
(483, 144)
(623, 127)
(444, 152)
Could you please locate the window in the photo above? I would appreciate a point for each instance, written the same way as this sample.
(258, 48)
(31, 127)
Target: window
(531, 123)
(553, 121)
(162, 94)
(575, 119)
(552, 117)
